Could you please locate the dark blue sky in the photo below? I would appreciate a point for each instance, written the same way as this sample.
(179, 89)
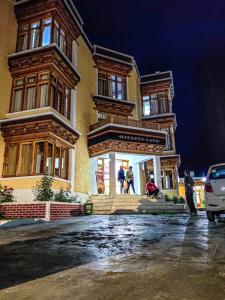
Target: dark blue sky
(164, 35)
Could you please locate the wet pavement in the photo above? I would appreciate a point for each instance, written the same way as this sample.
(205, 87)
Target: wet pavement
(115, 257)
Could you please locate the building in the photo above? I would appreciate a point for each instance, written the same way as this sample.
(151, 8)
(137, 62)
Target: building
(75, 110)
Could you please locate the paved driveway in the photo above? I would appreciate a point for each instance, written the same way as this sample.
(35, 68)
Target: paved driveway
(114, 257)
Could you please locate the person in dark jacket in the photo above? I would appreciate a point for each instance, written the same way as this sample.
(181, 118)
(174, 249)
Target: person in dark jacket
(121, 178)
(189, 191)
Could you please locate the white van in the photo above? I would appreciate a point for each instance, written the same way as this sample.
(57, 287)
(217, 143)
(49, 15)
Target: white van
(215, 191)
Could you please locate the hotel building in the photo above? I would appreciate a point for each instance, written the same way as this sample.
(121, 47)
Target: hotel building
(76, 110)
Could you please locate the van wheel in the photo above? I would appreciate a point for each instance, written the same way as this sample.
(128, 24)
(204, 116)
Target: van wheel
(211, 216)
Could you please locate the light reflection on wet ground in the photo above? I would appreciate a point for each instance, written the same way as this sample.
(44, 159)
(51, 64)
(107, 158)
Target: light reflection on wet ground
(115, 244)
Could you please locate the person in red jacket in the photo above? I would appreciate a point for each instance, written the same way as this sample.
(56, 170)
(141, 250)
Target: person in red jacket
(151, 189)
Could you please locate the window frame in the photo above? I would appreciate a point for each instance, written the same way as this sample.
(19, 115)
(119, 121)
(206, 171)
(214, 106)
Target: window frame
(162, 106)
(60, 29)
(107, 79)
(33, 162)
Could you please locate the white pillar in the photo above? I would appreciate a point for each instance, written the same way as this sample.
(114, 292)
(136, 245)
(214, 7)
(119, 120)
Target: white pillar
(112, 174)
(157, 172)
(73, 107)
(136, 170)
(94, 168)
(72, 168)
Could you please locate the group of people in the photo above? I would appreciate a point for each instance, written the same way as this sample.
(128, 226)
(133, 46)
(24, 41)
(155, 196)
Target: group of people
(127, 180)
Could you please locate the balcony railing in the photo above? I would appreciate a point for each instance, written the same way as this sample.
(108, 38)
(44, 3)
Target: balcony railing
(125, 122)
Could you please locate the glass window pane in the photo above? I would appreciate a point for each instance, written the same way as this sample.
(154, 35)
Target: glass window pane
(11, 160)
(65, 156)
(40, 157)
(57, 161)
(43, 94)
(146, 108)
(46, 36)
(31, 97)
(22, 42)
(49, 160)
(25, 163)
(34, 36)
(67, 104)
(154, 107)
(17, 103)
(146, 97)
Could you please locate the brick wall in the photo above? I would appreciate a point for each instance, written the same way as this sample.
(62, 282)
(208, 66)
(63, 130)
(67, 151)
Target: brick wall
(41, 210)
(61, 211)
(23, 211)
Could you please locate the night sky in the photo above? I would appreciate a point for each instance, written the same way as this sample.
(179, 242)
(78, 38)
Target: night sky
(187, 37)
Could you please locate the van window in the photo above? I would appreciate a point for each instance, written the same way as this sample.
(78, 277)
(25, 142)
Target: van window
(217, 172)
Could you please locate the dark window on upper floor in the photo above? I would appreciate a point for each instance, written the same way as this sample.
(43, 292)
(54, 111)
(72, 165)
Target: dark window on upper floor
(155, 104)
(112, 85)
(44, 32)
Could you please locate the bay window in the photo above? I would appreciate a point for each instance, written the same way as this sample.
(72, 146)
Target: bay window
(44, 32)
(112, 85)
(36, 158)
(155, 104)
(41, 90)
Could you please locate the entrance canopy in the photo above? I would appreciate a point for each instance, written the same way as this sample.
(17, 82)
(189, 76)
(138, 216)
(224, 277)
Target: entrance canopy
(125, 135)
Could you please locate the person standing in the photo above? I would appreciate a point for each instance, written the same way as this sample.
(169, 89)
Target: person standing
(189, 191)
(121, 178)
(130, 179)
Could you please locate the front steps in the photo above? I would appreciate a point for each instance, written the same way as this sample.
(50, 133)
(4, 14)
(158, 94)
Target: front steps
(132, 204)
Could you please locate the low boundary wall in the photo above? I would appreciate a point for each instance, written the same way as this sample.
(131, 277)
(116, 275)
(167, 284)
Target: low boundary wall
(47, 211)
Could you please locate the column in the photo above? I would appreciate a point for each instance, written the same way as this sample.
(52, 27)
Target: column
(112, 174)
(157, 172)
(94, 168)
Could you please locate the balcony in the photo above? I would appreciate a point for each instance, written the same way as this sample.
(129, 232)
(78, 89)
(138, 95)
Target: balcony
(116, 134)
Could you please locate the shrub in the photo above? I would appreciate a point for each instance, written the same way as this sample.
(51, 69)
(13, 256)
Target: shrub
(6, 194)
(65, 196)
(43, 189)
(175, 200)
(181, 200)
(167, 198)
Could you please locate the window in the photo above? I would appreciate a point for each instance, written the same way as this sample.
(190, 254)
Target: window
(39, 157)
(46, 32)
(30, 97)
(42, 33)
(169, 143)
(36, 158)
(17, 100)
(168, 178)
(34, 35)
(113, 86)
(10, 160)
(25, 162)
(155, 104)
(35, 91)
(60, 97)
(146, 106)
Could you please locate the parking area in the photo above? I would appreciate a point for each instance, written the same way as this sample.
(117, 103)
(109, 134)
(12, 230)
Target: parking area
(114, 257)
